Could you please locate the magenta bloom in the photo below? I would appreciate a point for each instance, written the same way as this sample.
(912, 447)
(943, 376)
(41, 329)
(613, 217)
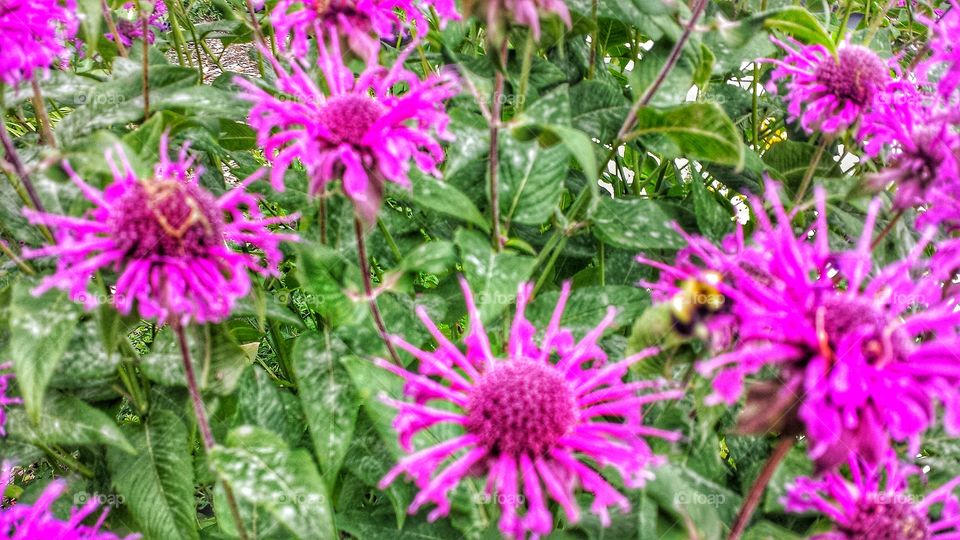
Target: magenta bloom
(876, 504)
(944, 53)
(166, 238)
(34, 521)
(862, 355)
(361, 131)
(132, 30)
(824, 92)
(361, 22)
(920, 144)
(5, 400)
(527, 420)
(33, 37)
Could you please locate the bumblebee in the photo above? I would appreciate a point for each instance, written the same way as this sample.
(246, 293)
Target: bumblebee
(696, 300)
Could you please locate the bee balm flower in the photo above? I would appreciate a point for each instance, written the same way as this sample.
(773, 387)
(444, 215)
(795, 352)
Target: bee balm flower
(33, 36)
(361, 131)
(167, 238)
(527, 419)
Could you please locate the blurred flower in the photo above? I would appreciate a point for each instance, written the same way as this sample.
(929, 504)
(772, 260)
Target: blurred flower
(525, 12)
(922, 145)
(876, 504)
(527, 419)
(33, 36)
(362, 22)
(4, 399)
(944, 59)
(860, 357)
(825, 92)
(167, 238)
(132, 30)
(24, 521)
(360, 131)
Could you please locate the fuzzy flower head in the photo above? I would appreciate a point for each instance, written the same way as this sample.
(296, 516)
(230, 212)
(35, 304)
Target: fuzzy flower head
(33, 36)
(523, 12)
(359, 131)
(825, 92)
(363, 23)
(33, 521)
(919, 142)
(527, 421)
(167, 239)
(5, 400)
(876, 504)
(862, 355)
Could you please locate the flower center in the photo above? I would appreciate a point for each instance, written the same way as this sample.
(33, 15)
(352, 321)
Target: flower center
(166, 218)
(887, 517)
(856, 75)
(521, 407)
(843, 315)
(349, 117)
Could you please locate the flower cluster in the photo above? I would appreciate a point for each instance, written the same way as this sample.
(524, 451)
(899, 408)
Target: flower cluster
(132, 30)
(876, 504)
(358, 131)
(527, 420)
(166, 238)
(33, 37)
(24, 521)
(862, 355)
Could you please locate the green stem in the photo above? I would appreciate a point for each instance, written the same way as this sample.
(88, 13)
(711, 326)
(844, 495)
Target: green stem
(525, 67)
(808, 174)
(389, 238)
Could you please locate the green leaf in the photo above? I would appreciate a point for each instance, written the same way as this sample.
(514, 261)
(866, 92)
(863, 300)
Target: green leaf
(801, 24)
(66, 421)
(530, 179)
(266, 473)
(157, 481)
(261, 403)
(714, 219)
(328, 398)
(433, 257)
(493, 276)
(635, 224)
(579, 145)
(217, 359)
(692, 130)
(598, 109)
(41, 328)
(587, 306)
(703, 506)
(446, 199)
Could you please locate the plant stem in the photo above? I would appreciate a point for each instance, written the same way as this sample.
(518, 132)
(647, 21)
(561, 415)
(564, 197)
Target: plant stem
(808, 174)
(525, 67)
(496, 110)
(391, 243)
(24, 265)
(368, 291)
(108, 16)
(146, 64)
(594, 37)
(886, 230)
(322, 217)
(40, 109)
(14, 160)
(875, 24)
(672, 59)
(203, 423)
(759, 486)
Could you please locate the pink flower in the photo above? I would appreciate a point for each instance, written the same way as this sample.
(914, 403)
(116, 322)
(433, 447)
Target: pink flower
(361, 131)
(876, 504)
(23, 521)
(527, 12)
(825, 92)
(363, 23)
(132, 30)
(166, 237)
(921, 144)
(944, 52)
(861, 355)
(5, 400)
(33, 37)
(527, 420)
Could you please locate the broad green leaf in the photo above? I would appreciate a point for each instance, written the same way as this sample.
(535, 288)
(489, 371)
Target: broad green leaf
(587, 306)
(328, 398)
(635, 224)
(700, 131)
(157, 481)
(324, 274)
(493, 276)
(218, 360)
(266, 473)
(714, 219)
(433, 257)
(580, 147)
(261, 403)
(530, 179)
(598, 109)
(41, 328)
(706, 508)
(66, 421)
(446, 199)
(801, 24)
(86, 361)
